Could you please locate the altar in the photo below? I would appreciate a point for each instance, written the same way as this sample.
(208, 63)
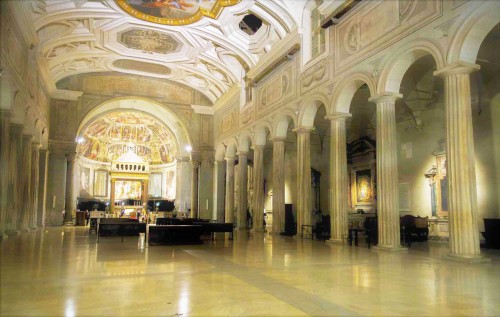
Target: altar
(129, 186)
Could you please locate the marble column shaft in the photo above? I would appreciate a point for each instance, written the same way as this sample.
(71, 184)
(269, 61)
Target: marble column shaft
(242, 192)
(194, 188)
(145, 196)
(35, 178)
(278, 185)
(42, 186)
(14, 190)
(338, 178)
(4, 166)
(387, 173)
(304, 208)
(258, 188)
(112, 196)
(460, 161)
(69, 194)
(218, 212)
(229, 209)
(26, 183)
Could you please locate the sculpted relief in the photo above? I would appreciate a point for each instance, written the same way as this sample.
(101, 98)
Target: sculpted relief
(149, 41)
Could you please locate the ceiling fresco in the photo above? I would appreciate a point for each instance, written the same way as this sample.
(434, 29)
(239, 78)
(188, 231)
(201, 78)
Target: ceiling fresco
(110, 136)
(174, 12)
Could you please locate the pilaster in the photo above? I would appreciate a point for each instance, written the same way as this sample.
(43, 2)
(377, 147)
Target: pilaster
(14, 190)
(4, 162)
(35, 179)
(69, 197)
(194, 188)
(24, 223)
(218, 212)
(42, 187)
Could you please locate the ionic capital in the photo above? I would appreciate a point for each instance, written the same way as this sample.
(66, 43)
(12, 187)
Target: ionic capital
(338, 116)
(456, 68)
(385, 97)
(303, 130)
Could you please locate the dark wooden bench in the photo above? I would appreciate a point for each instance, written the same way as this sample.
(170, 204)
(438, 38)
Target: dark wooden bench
(119, 227)
(211, 227)
(175, 234)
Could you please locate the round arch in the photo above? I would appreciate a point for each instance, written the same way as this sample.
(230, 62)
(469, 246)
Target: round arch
(394, 70)
(467, 40)
(262, 131)
(232, 147)
(245, 141)
(344, 93)
(282, 123)
(220, 151)
(150, 107)
(308, 109)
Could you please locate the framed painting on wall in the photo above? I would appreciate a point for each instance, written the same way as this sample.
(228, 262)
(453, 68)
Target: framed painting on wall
(364, 187)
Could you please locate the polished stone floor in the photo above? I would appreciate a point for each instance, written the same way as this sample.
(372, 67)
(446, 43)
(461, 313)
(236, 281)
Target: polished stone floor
(63, 271)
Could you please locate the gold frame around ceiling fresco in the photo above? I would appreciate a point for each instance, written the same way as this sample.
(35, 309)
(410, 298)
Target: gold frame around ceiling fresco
(213, 13)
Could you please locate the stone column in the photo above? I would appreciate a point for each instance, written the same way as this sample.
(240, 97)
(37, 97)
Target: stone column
(112, 196)
(338, 177)
(145, 196)
(35, 178)
(387, 174)
(69, 196)
(278, 185)
(42, 186)
(304, 210)
(14, 192)
(4, 167)
(242, 193)
(218, 212)
(229, 210)
(258, 188)
(194, 188)
(461, 173)
(25, 173)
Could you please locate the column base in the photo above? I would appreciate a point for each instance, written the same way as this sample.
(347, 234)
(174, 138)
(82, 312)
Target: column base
(468, 258)
(257, 230)
(34, 228)
(4, 236)
(13, 233)
(389, 248)
(336, 241)
(27, 229)
(68, 223)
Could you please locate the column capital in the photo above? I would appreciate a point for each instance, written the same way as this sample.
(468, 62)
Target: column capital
(388, 96)
(36, 145)
(5, 113)
(71, 156)
(230, 158)
(258, 147)
(303, 130)
(43, 151)
(195, 163)
(278, 139)
(195, 156)
(242, 153)
(338, 116)
(456, 68)
(182, 159)
(27, 137)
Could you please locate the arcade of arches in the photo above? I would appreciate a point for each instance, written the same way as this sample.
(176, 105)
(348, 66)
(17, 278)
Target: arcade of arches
(254, 113)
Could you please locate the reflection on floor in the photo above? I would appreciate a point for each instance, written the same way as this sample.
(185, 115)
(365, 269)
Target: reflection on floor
(65, 272)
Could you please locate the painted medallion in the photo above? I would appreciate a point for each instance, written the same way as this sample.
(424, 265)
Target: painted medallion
(174, 12)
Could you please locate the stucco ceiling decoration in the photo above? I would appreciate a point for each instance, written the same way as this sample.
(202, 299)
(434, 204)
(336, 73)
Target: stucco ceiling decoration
(174, 12)
(210, 55)
(110, 136)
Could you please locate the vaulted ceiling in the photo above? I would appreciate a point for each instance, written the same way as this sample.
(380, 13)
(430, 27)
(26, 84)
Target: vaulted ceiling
(209, 55)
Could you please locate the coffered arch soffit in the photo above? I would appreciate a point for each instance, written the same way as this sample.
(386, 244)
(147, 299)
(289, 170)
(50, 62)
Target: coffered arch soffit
(210, 55)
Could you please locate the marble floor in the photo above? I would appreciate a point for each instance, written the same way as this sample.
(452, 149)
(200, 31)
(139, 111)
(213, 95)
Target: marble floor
(64, 272)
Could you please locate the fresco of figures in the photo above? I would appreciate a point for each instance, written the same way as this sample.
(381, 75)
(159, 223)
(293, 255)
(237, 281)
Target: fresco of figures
(171, 9)
(111, 135)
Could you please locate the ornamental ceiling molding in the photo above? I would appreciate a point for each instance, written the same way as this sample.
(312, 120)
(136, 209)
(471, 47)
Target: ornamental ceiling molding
(173, 12)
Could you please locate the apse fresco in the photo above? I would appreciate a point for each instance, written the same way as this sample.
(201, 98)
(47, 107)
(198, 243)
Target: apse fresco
(174, 12)
(111, 135)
